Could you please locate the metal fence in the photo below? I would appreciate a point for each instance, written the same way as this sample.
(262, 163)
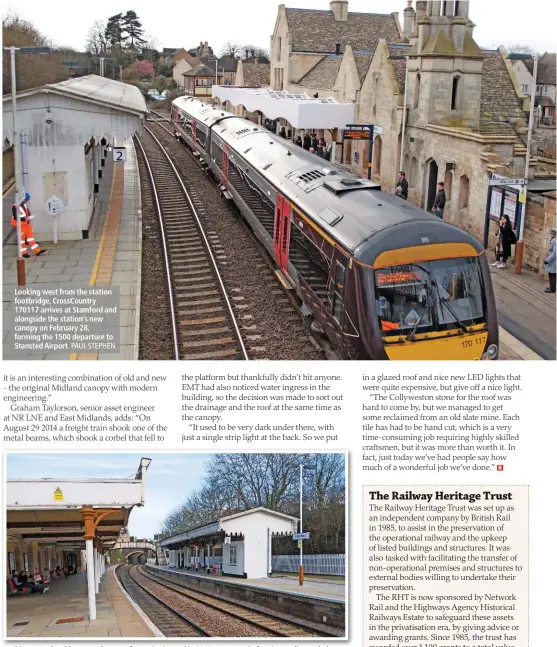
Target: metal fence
(313, 564)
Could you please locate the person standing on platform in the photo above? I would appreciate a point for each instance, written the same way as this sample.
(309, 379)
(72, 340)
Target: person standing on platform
(307, 142)
(550, 263)
(507, 238)
(27, 236)
(282, 132)
(440, 199)
(402, 186)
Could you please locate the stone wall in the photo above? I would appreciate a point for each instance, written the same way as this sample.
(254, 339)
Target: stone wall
(540, 218)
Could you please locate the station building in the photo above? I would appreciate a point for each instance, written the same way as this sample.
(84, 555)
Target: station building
(69, 522)
(238, 545)
(67, 130)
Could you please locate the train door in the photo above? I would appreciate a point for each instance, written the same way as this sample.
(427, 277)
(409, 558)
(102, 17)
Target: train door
(337, 280)
(194, 135)
(225, 163)
(282, 232)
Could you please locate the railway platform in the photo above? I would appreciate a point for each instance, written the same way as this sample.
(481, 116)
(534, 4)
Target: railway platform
(110, 257)
(320, 601)
(63, 612)
(317, 587)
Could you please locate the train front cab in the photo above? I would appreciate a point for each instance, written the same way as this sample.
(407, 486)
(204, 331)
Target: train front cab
(434, 302)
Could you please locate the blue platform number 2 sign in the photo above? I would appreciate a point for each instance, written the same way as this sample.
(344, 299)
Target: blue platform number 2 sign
(118, 154)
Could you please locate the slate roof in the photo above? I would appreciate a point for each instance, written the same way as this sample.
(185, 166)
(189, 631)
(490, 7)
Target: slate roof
(256, 75)
(399, 66)
(323, 75)
(500, 106)
(318, 31)
(200, 70)
(363, 61)
(547, 70)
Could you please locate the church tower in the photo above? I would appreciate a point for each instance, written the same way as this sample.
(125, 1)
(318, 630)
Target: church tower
(445, 66)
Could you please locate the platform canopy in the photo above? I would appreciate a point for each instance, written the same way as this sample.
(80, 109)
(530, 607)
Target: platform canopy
(300, 110)
(75, 514)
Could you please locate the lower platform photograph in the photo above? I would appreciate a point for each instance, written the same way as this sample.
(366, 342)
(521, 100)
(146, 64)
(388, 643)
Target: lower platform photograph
(212, 545)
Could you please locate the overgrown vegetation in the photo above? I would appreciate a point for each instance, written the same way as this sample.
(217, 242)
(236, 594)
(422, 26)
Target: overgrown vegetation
(238, 482)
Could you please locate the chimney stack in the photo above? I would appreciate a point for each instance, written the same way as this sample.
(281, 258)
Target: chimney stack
(408, 22)
(340, 10)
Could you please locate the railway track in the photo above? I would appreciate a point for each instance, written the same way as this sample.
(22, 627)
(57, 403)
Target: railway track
(265, 621)
(270, 314)
(171, 622)
(204, 324)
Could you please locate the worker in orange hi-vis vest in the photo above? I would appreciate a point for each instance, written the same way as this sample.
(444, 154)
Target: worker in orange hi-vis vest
(27, 235)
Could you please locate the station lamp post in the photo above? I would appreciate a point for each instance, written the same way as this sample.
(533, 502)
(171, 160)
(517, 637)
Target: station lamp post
(19, 190)
(301, 541)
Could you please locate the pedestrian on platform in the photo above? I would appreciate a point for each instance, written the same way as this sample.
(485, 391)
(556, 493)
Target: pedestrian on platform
(550, 263)
(307, 142)
(27, 236)
(282, 132)
(402, 186)
(314, 141)
(320, 152)
(440, 199)
(299, 141)
(507, 238)
(311, 150)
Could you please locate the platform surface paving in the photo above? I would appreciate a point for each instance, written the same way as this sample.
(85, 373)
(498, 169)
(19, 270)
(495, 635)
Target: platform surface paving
(36, 615)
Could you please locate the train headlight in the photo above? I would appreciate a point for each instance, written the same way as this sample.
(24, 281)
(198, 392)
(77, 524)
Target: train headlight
(491, 353)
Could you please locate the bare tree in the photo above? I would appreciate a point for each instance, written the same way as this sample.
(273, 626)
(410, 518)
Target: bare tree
(97, 43)
(253, 51)
(521, 49)
(231, 50)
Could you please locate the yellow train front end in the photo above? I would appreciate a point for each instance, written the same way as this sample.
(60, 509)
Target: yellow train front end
(432, 302)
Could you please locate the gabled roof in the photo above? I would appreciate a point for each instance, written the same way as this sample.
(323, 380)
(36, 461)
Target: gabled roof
(256, 75)
(200, 70)
(500, 107)
(323, 74)
(260, 509)
(399, 65)
(547, 70)
(363, 61)
(318, 31)
(97, 89)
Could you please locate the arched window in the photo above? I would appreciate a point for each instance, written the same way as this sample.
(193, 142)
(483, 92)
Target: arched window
(463, 192)
(414, 172)
(417, 91)
(454, 97)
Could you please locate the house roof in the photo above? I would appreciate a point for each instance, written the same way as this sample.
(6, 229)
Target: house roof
(363, 61)
(547, 70)
(500, 107)
(226, 64)
(323, 74)
(399, 65)
(260, 509)
(545, 102)
(318, 31)
(200, 70)
(256, 75)
(95, 88)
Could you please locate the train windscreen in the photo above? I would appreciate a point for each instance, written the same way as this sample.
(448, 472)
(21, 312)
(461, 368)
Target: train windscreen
(429, 297)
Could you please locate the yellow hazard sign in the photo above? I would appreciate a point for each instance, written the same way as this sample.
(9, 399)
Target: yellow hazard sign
(58, 494)
(522, 196)
(300, 544)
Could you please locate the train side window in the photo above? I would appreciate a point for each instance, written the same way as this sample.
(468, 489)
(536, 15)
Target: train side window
(337, 290)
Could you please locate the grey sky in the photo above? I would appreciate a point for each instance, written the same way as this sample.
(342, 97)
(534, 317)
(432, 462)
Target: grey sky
(252, 21)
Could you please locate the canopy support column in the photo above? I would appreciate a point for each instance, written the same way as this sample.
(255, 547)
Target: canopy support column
(91, 579)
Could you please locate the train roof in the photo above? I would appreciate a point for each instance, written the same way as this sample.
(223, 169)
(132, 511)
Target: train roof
(203, 112)
(352, 210)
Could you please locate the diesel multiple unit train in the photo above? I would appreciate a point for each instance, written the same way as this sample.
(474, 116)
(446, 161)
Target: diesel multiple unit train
(381, 278)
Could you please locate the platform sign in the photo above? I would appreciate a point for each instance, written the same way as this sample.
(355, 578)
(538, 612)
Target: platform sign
(507, 182)
(301, 535)
(227, 540)
(58, 494)
(119, 154)
(54, 205)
